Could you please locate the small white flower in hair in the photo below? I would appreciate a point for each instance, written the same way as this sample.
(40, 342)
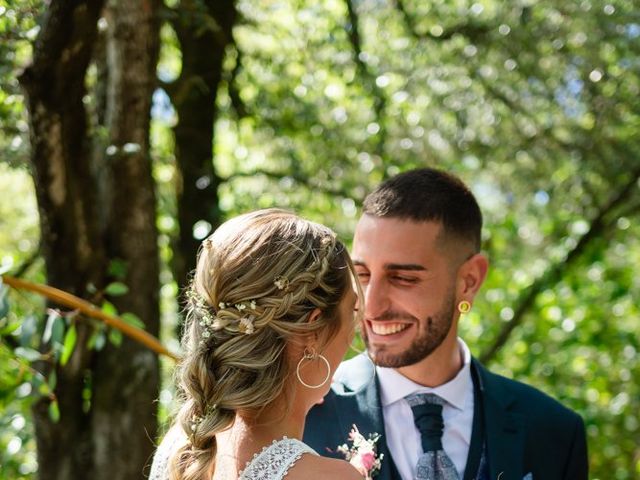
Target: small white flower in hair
(325, 241)
(252, 304)
(240, 306)
(196, 420)
(246, 325)
(208, 243)
(281, 282)
(222, 305)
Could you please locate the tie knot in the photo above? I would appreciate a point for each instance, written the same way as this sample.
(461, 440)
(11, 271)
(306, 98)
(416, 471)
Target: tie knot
(422, 398)
(427, 415)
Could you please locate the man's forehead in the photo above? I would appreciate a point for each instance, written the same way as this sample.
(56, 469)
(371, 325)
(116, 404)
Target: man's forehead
(395, 242)
(392, 230)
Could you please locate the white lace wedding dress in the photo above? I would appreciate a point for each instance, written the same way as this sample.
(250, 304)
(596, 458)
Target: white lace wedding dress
(272, 463)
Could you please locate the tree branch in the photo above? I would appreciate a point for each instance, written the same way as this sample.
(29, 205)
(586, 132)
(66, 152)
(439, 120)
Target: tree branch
(234, 94)
(71, 301)
(631, 210)
(470, 30)
(526, 299)
(380, 101)
(298, 178)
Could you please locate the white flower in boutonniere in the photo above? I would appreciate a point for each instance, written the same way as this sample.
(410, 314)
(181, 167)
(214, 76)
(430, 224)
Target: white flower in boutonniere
(362, 454)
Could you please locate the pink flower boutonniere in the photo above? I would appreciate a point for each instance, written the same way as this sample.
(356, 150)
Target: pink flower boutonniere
(362, 454)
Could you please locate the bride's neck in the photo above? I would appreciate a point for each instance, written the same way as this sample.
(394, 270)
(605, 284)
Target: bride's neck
(268, 426)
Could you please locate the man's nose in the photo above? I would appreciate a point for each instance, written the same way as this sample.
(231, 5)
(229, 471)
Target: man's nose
(376, 299)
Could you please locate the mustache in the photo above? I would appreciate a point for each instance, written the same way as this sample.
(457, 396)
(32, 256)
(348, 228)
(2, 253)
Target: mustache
(392, 315)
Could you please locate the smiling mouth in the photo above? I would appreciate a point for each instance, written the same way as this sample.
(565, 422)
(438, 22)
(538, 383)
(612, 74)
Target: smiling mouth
(388, 328)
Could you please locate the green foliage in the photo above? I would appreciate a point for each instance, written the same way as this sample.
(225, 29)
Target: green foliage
(70, 339)
(18, 383)
(4, 305)
(18, 28)
(533, 104)
(116, 289)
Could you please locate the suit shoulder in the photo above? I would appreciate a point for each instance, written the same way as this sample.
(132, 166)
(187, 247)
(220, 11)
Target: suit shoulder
(533, 400)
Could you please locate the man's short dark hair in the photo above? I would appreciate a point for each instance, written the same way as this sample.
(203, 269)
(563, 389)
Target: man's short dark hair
(429, 195)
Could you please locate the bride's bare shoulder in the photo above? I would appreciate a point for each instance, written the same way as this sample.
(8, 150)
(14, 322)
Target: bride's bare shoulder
(322, 468)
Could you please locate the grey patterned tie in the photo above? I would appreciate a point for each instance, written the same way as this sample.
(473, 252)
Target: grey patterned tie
(433, 464)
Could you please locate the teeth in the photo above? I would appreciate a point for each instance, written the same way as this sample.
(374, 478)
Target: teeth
(388, 328)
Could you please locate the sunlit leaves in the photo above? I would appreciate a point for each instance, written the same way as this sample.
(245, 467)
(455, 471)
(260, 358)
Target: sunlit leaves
(132, 319)
(69, 344)
(116, 289)
(4, 300)
(54, 411)
(533, 104)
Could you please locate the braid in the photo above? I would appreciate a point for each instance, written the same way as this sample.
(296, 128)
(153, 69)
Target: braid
(269, 270)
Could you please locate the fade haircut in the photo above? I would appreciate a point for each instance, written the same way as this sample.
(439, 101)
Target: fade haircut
(429, 195)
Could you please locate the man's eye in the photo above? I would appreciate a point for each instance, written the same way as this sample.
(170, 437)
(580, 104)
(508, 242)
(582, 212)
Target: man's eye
(403, 279)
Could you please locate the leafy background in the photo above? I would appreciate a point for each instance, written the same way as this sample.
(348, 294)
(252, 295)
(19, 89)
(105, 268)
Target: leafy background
(534, 104)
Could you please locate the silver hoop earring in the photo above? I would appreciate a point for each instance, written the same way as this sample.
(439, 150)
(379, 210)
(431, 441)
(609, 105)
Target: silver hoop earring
(312, 355)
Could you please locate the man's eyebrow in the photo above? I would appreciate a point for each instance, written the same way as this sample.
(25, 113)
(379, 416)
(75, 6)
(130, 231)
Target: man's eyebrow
(404, 266)
(395, 266)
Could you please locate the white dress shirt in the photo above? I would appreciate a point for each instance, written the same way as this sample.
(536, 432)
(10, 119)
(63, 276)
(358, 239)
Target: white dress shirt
(403, 437)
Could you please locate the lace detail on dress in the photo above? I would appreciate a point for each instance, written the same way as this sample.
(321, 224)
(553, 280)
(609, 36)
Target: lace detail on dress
(173, 440)
(274, 461)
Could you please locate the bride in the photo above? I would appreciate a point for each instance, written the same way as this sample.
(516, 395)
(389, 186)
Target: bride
(269, 317)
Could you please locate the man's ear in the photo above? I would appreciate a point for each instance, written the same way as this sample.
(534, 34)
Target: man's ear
(471, 275)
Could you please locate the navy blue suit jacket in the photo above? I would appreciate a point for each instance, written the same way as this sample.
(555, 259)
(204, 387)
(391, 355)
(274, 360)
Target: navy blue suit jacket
(526, 431)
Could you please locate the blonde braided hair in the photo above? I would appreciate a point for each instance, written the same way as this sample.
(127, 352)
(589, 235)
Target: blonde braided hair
(231, 372)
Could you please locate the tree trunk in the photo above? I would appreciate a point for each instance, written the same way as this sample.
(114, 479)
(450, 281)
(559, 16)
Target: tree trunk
(124, 419)
(89, 215)
(204, 32)
(71, 244)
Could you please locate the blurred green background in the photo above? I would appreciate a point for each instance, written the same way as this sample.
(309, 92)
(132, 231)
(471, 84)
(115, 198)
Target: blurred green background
(308, 105)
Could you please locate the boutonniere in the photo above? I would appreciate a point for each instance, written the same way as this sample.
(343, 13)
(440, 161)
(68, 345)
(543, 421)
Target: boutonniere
(362, 453)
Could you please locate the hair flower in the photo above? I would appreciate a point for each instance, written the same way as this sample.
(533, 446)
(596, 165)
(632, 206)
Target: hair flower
(207, 243)
(246, 324)
(281, 282)
(196, 420)
(362, 453)
(222, 305)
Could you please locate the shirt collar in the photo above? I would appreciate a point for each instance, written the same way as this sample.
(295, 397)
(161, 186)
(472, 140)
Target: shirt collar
(394, 386)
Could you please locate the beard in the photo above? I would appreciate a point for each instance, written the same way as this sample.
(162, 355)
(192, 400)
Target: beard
(431, 333)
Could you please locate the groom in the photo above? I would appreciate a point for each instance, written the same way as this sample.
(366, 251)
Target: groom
(441, 415)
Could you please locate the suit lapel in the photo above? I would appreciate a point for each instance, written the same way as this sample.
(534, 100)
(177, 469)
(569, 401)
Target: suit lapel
(505, 430)
(362, 408)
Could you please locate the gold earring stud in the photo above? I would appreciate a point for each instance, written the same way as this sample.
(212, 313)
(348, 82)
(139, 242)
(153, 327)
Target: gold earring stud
(464, 306)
